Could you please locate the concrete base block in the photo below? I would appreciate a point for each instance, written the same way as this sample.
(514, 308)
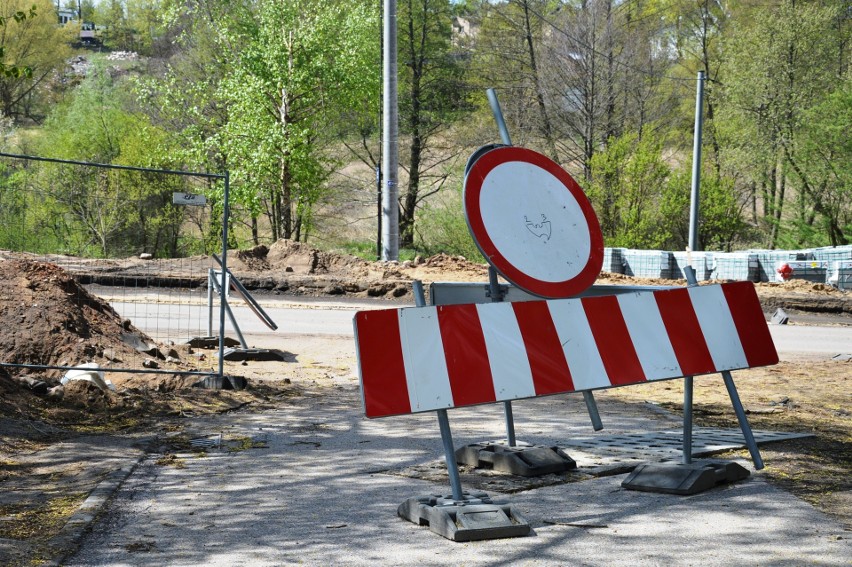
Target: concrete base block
(474, 518)
(255, 354)
(683, 479)
(521, 460)
(211, 342)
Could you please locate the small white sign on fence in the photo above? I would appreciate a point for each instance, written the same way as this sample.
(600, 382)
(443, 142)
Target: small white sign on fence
(189, 199)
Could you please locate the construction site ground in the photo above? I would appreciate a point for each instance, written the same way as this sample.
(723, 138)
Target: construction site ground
(59, 456)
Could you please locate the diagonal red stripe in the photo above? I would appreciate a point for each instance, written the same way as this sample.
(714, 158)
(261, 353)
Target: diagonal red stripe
(750, 323)
(383, 381)
(467, 357)
(684, 331)
(613, 340)
(550, 371)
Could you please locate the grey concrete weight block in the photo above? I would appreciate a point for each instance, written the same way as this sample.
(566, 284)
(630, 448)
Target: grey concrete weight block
(683, 479)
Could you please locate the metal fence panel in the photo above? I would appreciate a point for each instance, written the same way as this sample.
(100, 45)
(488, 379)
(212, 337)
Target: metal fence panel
(137, 238)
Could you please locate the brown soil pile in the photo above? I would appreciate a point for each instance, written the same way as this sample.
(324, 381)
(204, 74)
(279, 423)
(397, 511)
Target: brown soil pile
(798, 286)
(289, 257)
(49, 319)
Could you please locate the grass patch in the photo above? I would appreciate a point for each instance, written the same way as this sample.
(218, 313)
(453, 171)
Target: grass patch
(23, 522)
(171, 460)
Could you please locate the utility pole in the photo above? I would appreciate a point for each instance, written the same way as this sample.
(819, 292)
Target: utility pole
(696, 164)
(390, 137)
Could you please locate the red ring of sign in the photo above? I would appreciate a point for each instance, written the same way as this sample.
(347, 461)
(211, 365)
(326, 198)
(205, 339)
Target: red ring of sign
(472, 188)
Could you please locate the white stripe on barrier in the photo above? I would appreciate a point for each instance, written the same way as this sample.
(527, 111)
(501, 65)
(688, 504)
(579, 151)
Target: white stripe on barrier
(425, 363)
(649, 335)
(720, 333)
(578, 344)
(510, 367)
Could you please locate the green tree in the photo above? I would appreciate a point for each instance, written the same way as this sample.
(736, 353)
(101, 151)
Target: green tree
(781, 63)
(721, 223)
(32, 48)
(822, 162)
(628, 181)
(116, 33)
(299, 67)
(430, 98)
(101, 211)
(507, 54)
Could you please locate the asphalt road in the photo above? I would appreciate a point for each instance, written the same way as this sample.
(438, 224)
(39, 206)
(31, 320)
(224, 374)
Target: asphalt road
(326, 317)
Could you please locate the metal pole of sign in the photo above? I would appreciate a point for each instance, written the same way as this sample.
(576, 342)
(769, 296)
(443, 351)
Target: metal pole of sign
(210, 302)
(741, 416)
(443, 419)
(223, 286)
(493, 285)
(496, 295)
(693, 245)
(498, 116)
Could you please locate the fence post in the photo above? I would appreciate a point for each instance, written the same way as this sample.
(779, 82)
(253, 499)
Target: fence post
(223, 303)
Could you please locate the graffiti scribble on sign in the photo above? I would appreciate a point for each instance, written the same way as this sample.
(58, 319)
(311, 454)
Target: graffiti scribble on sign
(541, 230)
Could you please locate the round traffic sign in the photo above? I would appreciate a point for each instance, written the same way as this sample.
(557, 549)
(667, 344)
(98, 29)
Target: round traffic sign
(533, 222)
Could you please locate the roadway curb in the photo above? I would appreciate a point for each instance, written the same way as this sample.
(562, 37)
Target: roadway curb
(67, 540)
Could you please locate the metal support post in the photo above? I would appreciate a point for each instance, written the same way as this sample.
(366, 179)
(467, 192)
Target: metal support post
(510, 424)
(223, 299)
(688, 388)
(443, 420)
(741, 416)
(497, 297)
(687, 420)
(419, 294)
(231, 316)
(592, 408)
(450, 452)
(210, 302)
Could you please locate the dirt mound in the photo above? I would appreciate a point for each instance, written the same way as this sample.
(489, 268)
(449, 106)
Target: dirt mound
(49, 319)
(797, 286)
(254, 258)
(442, 267)
(83, 394)
(297, 258)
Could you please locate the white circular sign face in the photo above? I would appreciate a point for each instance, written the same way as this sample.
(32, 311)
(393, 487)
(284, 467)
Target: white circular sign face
(542, 232)
(533, 222)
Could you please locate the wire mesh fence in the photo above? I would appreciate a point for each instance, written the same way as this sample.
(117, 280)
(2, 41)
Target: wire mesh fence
(137, 240)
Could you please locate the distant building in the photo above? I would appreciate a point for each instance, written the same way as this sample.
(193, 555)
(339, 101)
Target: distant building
(66, 15)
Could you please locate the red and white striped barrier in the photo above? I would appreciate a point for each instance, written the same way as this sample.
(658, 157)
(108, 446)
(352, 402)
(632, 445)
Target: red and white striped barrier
(428, 358)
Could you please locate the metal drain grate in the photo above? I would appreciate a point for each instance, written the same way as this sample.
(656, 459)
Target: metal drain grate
(606, 452)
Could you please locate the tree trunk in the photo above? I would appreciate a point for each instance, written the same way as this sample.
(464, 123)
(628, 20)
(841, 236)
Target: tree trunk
(414, 119)
(547, 130)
